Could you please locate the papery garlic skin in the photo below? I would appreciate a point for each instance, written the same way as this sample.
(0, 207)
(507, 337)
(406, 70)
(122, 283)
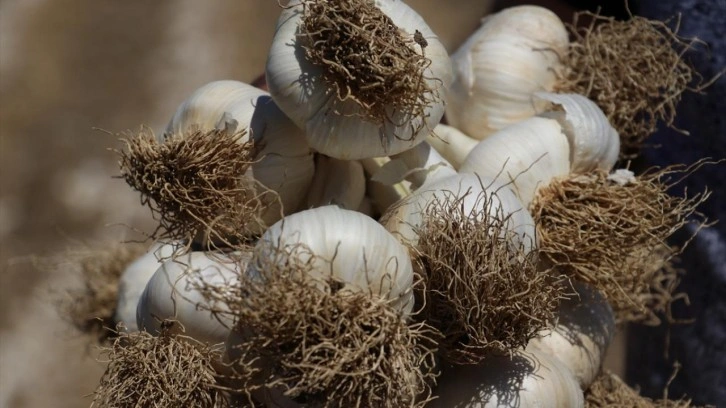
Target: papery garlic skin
(338, 182)
(451, 143)
(133, 282)
(365, 257)
(594, 143)
(285, 162)
(583, 332)
(297, 87)
(172, 293)
(406, 216)
(514, 54)
(420, 165)
(528, 154)
(527, 379)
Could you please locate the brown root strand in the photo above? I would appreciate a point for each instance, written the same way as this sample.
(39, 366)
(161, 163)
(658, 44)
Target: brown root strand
(609, 391)
(194, 184)
(634, 70)
(165, 371)
(91, 307)
(614, 236)
(324, 345)
(367, 59)
(482, 291)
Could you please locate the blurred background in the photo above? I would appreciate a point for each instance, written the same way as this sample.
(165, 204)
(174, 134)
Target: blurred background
(72, 75)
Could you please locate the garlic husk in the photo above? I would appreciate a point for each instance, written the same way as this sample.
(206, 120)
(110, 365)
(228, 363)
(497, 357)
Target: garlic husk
(594, 143)
(338, 182)
(349, 247)
(284, 163)
(526, 379)
(583, 332)
(451, 143)
(528, 155)
(133, 282)
(514, 54)
(419, 165)
(405, 217)
(335, 127)
(174, 292)
(383, 195)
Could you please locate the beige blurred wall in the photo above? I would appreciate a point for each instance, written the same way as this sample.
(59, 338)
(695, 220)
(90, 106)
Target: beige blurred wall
(67, 67)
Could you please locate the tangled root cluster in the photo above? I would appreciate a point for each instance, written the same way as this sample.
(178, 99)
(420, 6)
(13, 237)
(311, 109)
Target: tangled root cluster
(91, 307)
(194, 183)
(482, 291)
(366, 58)
(165, 371)
(609, 391)
(325, 345)
(612, 233)
(634, 70)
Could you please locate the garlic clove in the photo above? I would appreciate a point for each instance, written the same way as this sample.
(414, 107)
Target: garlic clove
(406, 216)
(594, 143)
(583, 332)
(527, 155)
(134, 279)
(173, 292)
(514, 54)
(525, 379)
(451, 143)
(349, 247)
(338, 182)
(336, 128)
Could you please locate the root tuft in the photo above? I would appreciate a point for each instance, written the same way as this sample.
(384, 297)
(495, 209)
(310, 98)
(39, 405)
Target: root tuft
(609, 391)
(483, 292)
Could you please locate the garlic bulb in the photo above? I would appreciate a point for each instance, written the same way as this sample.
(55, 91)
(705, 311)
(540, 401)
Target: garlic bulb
(451, 143)
(420, 165)
(594, 143)
(514, 54)
(173, 293)
(527, 154)
(284, 164)
(526, 379)
(580, 339)
(339, 182)
(335, 124)
(134, 279)
(405, 217)
(348, 246)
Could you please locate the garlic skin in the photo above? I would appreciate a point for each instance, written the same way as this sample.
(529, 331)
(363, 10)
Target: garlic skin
(527, 379)
(514, 54)
(284, 163)
(338, 182)
(451, 143)
(420, 165)
(133, 282)
(528, 154)
(350, 247)
(332, 127)
(594, 143)
(383, 195)
(581, 337)
(406, 216)
(172, 293)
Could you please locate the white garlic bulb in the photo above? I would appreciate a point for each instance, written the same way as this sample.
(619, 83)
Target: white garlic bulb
(173, 293)
(339, 182)
(134, 279)
(405, 217)
(333, 127)
(583, 332)
(284, 164)
(451, 143)
(527, 379)
(348, 246)
(594, 143)
(527, 154)
(514, 54)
